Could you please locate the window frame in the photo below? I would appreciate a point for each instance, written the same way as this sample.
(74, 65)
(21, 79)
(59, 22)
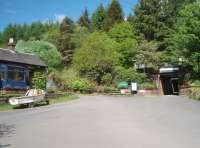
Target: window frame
(11, 68)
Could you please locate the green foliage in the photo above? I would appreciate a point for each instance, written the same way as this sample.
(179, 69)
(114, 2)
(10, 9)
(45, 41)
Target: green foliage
(195, 83)
(107, 79)
(65, 77)
(82, 85)
(39, 80)
(114, 14)
(148, 85)
(98, 18)
(79, 35)
(70, 79)
(1, 39)
(96, 57)
(52, 36)
(129, 75)
(84, 20)
(195, 93)
(110, 89)
(147, 55)
(34, 31)
(185, 41)
(46, 51)
(155, 19)
(155, 34)
(123, 33)
(66, 46)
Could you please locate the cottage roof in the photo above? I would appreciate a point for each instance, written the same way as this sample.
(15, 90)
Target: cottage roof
(12, 56)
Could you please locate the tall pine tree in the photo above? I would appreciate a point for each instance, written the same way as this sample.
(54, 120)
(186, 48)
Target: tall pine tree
(155, 19)
(66, 46)
(98, 18)
(114, 14)
(84, 20)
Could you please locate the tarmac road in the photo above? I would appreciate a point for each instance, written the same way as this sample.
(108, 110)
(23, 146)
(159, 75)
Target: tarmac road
(105, 122)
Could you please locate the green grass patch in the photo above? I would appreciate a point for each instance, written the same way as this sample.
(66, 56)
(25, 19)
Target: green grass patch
(4, 107)
(63, 98)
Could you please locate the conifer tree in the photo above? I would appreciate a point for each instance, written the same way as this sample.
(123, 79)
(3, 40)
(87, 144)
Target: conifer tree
(66, 46)
(84, 20)
(98, 18)
(114, 14)
(155, 19)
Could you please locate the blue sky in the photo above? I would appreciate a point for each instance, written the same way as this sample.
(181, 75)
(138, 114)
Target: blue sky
(26, 11)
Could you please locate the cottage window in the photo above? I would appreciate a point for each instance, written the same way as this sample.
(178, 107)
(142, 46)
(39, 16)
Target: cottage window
(16, 74)
(2, 74)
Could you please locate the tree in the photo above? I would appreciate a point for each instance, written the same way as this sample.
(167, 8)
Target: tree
(114, 14)
(185, 41)
(52, 35)
(79, 35)
(65, 44)
(123, 34)
(9, 32)
(98, 18)
(96, 57)
(155, 19)
(1, 40)
(147, 55)
(84, 20)
(130, 18)
(46, 51)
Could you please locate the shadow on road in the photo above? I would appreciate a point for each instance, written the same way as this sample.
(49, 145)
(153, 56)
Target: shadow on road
(6, 131)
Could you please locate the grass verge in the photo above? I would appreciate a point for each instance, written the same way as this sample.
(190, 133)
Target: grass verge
(63, 98)
(4, 107)
(60, 99)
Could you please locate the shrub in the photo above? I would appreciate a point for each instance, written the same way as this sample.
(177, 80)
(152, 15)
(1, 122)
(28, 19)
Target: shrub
(194, 93)
(109, 89)
(123, 74)
(39, 80)
(98, 55)
(82, 85)
(45, 50)
(70, 79)
(65, 77)
(148, 85)
(107, 79)
(195, 83)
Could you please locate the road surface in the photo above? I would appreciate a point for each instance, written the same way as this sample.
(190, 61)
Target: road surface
(105, 122)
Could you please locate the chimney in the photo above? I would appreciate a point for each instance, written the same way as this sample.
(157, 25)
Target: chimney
(11, 44)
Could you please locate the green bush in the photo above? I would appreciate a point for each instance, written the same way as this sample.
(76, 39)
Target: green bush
(109, 89)
(195, 83)
(98, 55)
(45, 50)
(65, 77)
(82, 85)
(129, 75)
(107, 79)
(39, 80)
(148, 85)
(70, 79)
(194, 93)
